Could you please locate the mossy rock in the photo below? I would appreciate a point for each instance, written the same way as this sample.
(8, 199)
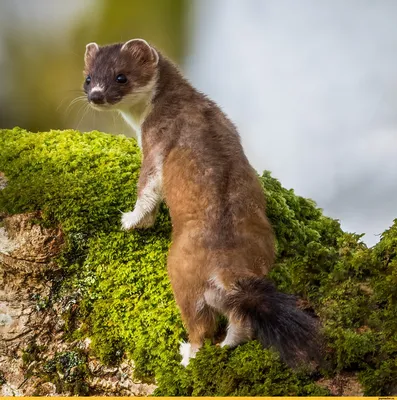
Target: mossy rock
(68, 371)
(81, 181)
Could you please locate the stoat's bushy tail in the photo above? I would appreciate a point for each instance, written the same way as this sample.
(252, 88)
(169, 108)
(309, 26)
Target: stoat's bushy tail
(275, 320)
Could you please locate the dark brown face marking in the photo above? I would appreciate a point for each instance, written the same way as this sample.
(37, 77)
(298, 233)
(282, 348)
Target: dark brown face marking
(115, 71)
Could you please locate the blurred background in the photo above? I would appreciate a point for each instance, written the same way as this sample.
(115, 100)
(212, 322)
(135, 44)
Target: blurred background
(312, 86)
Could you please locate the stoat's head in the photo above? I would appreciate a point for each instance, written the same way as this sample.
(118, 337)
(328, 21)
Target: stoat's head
(120, 75)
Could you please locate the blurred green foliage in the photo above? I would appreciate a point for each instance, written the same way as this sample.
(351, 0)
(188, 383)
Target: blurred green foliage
(44, 62)
(125, 303)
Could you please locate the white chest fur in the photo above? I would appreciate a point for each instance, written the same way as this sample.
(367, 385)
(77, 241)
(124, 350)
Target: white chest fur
(135, 122)
(135, 107)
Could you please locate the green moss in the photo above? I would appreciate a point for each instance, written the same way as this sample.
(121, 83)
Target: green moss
(31, 353)
(120, 290)
(41, 302)
(2, 379)
(68, 371)
(249, 370)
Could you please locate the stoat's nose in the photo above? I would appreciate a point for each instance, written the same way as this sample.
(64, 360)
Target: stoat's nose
(96, 97)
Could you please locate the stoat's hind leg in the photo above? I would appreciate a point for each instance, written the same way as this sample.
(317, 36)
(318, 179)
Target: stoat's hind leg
(201, 325)
(239, 329)
(237, 332)
(187, 352)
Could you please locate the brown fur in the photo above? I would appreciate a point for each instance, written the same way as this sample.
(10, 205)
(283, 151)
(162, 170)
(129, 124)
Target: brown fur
(221, 234)
(216, 202)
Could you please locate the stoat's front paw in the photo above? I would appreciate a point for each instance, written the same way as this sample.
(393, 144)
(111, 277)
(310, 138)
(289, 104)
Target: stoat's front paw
(133, 219)
(130, 220)
(148, 220)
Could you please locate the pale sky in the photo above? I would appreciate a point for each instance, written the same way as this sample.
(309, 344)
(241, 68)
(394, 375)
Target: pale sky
(312, 86)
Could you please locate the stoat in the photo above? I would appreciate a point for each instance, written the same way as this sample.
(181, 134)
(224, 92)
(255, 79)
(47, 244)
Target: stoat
(222, 242)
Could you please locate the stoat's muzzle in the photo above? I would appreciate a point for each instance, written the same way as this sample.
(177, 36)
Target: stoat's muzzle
(96, 97)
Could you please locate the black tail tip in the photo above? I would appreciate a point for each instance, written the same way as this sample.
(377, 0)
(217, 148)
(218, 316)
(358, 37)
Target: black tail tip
(278, 322)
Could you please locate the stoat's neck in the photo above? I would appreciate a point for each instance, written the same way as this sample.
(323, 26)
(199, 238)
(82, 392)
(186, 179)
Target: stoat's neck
(139, 108)
(167, 87)
(135, 116)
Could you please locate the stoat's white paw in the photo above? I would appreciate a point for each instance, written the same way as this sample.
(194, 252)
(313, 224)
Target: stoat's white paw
(186, 351)
(134, 219)
(130, 220)
(149, 220)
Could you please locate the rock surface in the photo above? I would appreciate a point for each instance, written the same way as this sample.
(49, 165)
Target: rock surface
(29, 319)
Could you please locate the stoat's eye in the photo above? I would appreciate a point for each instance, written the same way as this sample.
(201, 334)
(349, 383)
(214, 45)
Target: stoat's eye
(121, 78)
(88, 80)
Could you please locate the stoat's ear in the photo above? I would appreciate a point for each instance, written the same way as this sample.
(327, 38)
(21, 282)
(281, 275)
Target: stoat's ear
(90, 51)
(141, 50)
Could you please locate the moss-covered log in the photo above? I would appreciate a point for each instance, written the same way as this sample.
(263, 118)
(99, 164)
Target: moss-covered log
(80, 182)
